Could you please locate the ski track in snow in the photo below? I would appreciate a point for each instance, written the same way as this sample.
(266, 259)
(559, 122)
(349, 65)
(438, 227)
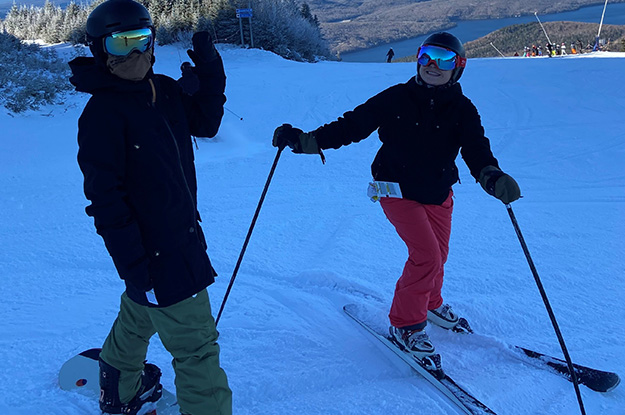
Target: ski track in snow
(319, 243)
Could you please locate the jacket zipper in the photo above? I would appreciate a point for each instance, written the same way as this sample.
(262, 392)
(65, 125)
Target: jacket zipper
(173, 137)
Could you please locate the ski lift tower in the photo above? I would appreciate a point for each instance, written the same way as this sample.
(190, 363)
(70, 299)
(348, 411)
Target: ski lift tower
(596, 47)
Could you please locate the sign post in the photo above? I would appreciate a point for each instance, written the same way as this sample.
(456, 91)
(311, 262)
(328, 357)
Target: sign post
(241, 13)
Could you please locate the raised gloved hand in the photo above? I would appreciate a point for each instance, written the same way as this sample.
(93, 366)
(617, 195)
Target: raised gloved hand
(296, 139)
(203, 51)
(499, 184)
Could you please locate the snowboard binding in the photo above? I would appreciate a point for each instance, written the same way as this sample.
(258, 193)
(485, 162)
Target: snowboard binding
(150, 391)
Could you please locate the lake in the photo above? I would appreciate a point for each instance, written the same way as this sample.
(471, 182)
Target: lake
(468, 30)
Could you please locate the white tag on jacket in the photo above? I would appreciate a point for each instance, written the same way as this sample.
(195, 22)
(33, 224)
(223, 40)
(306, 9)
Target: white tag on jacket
(377, 190)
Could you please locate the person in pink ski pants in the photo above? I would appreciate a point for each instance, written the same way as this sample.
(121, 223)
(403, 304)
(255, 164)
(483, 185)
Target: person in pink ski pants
(423, 124)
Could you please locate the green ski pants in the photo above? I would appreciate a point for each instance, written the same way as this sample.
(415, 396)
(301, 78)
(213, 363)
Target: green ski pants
(187, 330)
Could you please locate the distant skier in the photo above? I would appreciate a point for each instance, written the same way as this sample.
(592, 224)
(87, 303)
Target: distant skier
(563, 49)
(422, 125)
(136, 155)
(389, 55)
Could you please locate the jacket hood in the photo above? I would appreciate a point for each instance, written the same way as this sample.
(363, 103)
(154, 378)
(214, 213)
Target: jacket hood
(89, 76)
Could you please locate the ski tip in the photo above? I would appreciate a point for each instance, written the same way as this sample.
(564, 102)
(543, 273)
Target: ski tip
(616, 381)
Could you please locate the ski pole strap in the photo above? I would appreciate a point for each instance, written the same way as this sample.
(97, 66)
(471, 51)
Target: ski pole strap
(323, 157)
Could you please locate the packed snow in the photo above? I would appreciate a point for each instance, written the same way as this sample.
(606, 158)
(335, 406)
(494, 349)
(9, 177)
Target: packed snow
(555, 124)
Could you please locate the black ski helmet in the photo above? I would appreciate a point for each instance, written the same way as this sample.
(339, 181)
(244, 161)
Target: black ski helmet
(451, 42)
(115, 16)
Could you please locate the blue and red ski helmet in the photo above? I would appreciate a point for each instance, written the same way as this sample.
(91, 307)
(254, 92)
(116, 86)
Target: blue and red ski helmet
(448, 41)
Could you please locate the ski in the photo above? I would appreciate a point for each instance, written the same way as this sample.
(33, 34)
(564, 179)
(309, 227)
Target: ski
(445, 384)
(595, 379)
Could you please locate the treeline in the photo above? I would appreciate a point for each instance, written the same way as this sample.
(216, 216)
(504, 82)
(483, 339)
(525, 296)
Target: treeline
(286, 27)
(31, 76)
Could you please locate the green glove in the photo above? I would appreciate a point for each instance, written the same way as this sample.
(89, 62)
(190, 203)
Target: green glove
(499, 184)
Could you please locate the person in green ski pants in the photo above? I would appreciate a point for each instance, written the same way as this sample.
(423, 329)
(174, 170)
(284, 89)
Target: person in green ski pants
(136, 155)
(187, 330)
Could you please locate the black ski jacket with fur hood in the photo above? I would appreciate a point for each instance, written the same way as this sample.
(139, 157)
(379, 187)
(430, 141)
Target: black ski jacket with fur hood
(422, 129)
(136, 155)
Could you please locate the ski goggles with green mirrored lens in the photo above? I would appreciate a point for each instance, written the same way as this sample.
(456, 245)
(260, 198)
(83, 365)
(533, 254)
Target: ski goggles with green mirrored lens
(444, 59)
(122, 43)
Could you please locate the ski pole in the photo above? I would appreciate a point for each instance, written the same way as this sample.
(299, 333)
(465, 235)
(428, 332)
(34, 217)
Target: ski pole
(249, 234)
(233, 113)
(548, 307)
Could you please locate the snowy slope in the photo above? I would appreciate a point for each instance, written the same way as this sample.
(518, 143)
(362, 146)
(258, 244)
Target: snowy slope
(555, 124)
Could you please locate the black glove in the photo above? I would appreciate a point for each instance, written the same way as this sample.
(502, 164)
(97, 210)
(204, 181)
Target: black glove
(203, 49)
(499, 184)
(299, 141)
(286, 135)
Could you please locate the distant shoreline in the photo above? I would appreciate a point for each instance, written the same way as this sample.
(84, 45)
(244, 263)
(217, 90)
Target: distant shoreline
(469, 30)
(359, 35)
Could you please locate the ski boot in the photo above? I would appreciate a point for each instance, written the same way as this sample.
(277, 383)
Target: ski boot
(150, 390)
(445, 317)
(417, 343)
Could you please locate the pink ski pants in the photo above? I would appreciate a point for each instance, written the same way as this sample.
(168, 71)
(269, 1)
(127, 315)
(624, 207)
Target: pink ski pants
(425, 229)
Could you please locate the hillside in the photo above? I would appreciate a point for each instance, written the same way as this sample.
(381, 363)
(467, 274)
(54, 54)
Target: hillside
(350, 25)
(320, 243)
(513, 39)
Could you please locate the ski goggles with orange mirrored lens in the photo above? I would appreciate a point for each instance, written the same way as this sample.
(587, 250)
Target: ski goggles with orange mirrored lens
(444, 59)
(122, 43)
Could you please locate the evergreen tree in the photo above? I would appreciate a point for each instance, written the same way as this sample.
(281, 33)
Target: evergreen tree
(305, 10)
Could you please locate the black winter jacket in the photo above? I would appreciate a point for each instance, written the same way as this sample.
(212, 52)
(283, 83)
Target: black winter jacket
(136, 155)
(422, 129)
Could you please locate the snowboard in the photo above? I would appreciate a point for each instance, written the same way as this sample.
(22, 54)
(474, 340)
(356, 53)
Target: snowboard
(81, 374)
